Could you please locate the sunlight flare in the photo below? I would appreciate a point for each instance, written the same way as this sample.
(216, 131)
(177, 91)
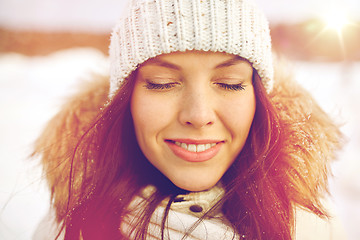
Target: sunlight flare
(336, 20)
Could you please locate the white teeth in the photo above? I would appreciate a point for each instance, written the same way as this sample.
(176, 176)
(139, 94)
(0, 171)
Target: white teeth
(200, 148)
(191, 148)
(195, 147)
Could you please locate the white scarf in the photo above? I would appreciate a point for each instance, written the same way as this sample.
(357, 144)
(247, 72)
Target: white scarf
(183, 214)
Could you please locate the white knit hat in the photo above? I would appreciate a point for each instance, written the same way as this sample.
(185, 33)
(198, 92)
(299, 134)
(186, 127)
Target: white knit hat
(153, 27)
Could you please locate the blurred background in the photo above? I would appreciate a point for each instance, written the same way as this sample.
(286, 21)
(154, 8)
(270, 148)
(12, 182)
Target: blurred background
(47, 47)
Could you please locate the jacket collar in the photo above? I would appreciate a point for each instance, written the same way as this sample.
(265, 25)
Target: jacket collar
(192, 203)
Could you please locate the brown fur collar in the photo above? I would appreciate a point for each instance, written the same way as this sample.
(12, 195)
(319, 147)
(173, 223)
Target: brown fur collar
(311, 140)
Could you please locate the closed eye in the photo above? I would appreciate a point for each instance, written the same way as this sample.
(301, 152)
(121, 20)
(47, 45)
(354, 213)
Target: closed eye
(232, 87)
(159, 86)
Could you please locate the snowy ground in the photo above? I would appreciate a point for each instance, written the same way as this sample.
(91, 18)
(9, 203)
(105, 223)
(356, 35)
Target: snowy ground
(32, 89)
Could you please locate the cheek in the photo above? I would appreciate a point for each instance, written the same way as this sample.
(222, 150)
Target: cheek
(142, 113)
(239, 116)
(149, 114)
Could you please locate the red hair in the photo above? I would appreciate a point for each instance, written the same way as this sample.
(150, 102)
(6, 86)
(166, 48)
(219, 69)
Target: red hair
(107, 169)
(256, 202)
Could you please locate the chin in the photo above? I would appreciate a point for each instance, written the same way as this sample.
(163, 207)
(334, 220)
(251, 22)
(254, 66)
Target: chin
(196, 186)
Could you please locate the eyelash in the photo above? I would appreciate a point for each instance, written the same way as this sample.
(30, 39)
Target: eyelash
(232, 87)
(156, 86)
(166, 86)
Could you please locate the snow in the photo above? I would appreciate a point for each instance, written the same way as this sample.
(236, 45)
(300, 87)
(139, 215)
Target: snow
(33, 88)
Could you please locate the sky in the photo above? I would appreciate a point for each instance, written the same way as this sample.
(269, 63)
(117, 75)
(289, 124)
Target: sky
(101, 15)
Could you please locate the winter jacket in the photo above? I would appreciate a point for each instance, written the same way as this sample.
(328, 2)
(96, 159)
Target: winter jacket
(311, 141)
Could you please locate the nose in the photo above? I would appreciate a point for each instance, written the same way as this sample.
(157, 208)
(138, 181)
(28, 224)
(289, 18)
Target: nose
(197, 109)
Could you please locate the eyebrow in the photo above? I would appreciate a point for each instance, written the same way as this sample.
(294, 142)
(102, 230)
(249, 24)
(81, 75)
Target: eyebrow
(162, 63)
(231, 62)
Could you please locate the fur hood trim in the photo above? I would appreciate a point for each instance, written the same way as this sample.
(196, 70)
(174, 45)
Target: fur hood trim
(311, 140)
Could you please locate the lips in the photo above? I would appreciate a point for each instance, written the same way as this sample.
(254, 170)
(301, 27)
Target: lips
(195, 150)
(195, 147)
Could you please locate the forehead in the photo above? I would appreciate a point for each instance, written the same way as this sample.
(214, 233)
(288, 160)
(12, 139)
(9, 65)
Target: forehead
(200, 58)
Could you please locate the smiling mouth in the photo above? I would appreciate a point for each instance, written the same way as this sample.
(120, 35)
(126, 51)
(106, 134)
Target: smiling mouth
(194, 147)
(195, 150)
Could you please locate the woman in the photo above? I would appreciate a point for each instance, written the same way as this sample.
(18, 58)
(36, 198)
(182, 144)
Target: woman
(195, 137)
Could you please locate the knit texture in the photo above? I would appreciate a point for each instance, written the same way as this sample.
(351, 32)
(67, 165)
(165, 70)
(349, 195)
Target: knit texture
(153, 27)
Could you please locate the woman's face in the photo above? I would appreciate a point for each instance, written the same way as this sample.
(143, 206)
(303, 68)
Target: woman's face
(192, 113)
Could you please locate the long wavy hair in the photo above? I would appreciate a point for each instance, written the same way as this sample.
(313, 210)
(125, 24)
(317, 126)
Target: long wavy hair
(106, 169)
(114, 170)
